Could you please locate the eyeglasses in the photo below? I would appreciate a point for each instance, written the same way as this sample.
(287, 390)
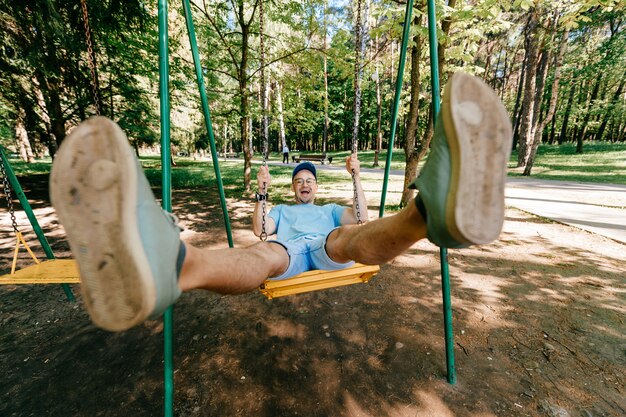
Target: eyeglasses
(300, 181)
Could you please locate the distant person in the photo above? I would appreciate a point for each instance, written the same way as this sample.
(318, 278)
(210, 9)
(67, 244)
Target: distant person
(133, 264)
(285, 154)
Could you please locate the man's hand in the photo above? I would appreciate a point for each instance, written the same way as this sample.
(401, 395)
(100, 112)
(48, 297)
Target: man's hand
(263, 179)
(353, 163)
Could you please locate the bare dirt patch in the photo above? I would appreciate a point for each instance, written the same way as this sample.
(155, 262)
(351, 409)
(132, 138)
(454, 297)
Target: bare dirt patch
(538, 327)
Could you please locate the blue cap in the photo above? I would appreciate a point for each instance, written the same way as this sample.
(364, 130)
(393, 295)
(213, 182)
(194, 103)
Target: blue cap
(304, 166)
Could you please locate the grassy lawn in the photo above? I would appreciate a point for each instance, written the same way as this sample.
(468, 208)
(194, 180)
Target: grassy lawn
(601, 162)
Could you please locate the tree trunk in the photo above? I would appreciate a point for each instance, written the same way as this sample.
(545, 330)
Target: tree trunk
(526, 126)
(410, 154)
(243, 103)
(505, 72)
(21, 137)
(553, 99)
(594, 94)
(443, 42)
(379, 118)
(568, 111)
(518, 100)
(552, 131)
(540, 81)
(326, 119)
(281, 122)
(609, 110)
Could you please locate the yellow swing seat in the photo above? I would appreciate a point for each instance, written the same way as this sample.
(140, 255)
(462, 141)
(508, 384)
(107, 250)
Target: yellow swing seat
(318, 280)
(52, 271)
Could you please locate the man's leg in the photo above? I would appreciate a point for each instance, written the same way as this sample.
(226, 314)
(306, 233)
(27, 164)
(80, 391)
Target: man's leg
(378, 241)
(127, 248)
(232, 271)
(461, 186)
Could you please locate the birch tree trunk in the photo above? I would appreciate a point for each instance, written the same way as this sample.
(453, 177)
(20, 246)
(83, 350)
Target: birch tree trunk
(326, 119)
(281, 120)
(379, 111)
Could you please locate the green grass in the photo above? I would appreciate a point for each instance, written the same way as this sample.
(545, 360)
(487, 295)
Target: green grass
(40, 166)
(600, 162)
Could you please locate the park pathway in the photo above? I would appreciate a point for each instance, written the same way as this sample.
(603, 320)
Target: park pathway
(597, 208)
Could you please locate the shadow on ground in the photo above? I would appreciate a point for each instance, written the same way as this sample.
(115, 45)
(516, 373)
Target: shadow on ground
(538, 320)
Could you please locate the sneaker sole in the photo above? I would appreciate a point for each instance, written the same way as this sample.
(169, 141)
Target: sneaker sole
(480, 139)
(93, 190)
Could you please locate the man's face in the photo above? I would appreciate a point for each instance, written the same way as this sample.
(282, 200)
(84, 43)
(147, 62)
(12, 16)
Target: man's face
(304, 186)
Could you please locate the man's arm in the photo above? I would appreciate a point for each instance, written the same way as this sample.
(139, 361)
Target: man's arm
(350, 216)
(263, 182)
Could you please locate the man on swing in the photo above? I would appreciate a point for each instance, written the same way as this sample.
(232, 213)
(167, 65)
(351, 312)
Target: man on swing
(133, 264)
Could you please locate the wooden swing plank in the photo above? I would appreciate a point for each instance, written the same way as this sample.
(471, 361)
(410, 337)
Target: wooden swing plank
(53, 271)
(318, 280)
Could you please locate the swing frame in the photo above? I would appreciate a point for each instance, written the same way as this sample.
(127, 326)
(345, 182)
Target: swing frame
(165, 141)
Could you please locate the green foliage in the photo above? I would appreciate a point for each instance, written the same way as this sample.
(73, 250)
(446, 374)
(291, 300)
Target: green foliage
(44, 71)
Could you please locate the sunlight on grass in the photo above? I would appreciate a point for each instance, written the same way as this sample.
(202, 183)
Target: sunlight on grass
(600, 162)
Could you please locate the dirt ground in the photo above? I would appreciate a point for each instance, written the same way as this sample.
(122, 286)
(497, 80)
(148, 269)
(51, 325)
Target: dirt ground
(538, 329)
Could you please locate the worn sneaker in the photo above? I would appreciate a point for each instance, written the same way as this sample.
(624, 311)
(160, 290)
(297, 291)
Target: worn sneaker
(127, 248)
(461, 186)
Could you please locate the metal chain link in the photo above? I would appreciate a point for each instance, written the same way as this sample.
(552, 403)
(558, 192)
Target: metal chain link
(263, 235)
(357, 64)
(356, 200)
(92, 57)
(263, 88)
(9, 196)
(357, 71)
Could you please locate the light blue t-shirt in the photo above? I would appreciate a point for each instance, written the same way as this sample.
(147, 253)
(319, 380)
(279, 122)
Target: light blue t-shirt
(299, 220)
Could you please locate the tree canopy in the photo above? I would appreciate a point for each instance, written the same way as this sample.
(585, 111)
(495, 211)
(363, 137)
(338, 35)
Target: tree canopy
(558, 66)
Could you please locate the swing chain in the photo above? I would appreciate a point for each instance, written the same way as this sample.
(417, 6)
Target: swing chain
(263, 235)
(356, 200)
(7, 193)
(92, 57)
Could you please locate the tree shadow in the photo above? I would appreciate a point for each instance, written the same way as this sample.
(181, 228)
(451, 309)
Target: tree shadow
(528, 328)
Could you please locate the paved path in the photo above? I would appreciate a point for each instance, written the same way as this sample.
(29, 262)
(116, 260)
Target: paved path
(597, 208)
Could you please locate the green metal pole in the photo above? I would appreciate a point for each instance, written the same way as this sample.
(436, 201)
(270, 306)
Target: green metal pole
(19, 192)
(168, 316)
(207, 116)
(396, 102)
(445, 273)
